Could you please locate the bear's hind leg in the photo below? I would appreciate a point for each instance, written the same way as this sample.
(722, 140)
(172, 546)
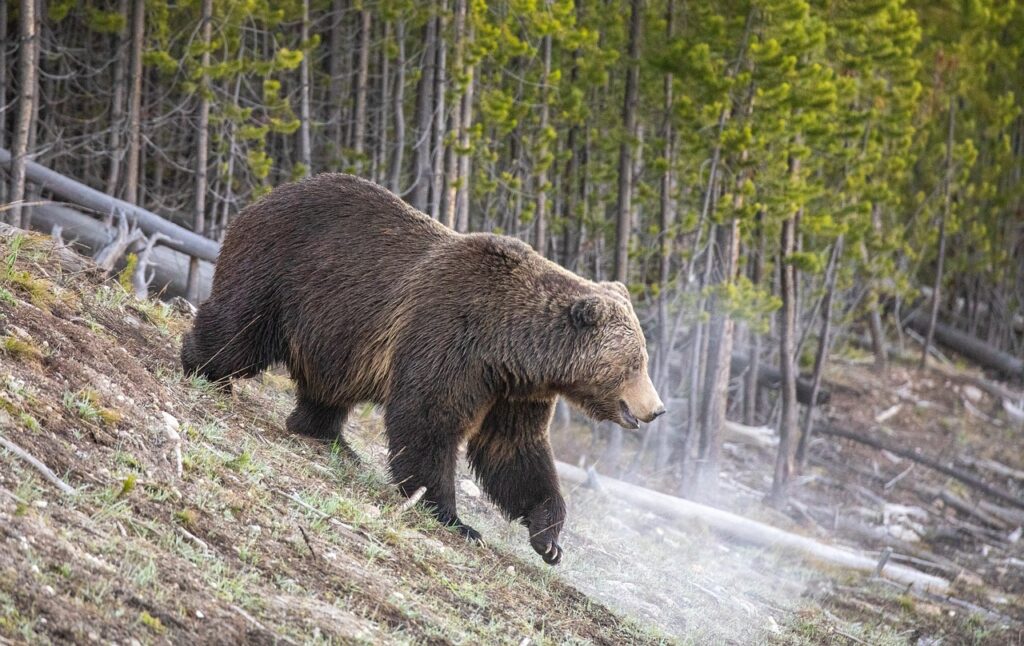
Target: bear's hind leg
(321, 422)
(423, 447)
(512, 458)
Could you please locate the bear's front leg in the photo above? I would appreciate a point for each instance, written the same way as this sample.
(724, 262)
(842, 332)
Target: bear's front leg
(423, 449)
(512, 458)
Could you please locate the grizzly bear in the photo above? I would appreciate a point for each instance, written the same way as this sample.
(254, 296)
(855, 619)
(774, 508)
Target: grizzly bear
(459, 337)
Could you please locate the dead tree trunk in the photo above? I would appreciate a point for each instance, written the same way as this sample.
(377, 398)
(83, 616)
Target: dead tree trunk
(424, 111)
(202, 149)
(335, 89)
(305, 89)
(134, 153)
(625, 206)
(540, 230)
(823, 346)
(946, 202)
(26, 110)
(395, 178)
(362, 83)
(465, 124)
(117, 106)
(440, 120)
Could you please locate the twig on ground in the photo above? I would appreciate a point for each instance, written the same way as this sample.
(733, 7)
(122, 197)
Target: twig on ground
(278, 638)
(411, 501)
(39, 466)
(902, 474)
(195, 539)
(305, 537)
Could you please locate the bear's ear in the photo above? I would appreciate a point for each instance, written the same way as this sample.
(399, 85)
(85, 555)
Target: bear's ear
(586, 312)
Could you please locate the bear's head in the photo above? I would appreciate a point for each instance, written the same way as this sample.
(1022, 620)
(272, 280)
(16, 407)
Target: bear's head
(609, 379)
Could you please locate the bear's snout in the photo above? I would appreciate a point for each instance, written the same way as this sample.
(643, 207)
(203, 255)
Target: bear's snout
(639, 402)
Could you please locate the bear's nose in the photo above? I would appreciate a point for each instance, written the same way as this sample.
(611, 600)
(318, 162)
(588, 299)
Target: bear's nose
(658, 413)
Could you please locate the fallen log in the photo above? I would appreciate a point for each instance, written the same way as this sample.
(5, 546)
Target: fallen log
(88, 235)
(927, 461)
(753, 435)
(68, 189)
(971, 347)
(771, 377)
(755, 532)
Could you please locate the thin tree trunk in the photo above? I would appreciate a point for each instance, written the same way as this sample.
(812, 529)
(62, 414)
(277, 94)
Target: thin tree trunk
(719, 358)
(202, 149)
(440, 121)
(751, 387)
(335, 89)
(3, 93)
(117, 106)
(946, 205)
(385, 105)
(875, 327)
(667, 217)
(453, 156)
(26, 110)
(788, 426)
(540, 230)
(362, 82)
(134, 153)
(625, 206)
(424, 112)
(465, 159)
(822, 354)
(395, 179)
(305, 116)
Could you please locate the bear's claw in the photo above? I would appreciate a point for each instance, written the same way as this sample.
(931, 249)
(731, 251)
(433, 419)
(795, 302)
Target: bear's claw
(470, 534)
(551, 554)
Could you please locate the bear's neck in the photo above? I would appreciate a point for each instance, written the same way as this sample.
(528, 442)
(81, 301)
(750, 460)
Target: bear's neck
(535, 351)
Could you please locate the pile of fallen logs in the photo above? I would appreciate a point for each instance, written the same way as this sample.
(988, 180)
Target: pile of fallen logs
(163, 248)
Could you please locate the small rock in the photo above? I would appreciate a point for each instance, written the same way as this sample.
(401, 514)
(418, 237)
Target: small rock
(200, 615)
(132, 321)
(41, 504)
(510, 570)
(49, 591)
(171, 421)
(93, 636)
(972, 393)
(371, 510)
(469, 488)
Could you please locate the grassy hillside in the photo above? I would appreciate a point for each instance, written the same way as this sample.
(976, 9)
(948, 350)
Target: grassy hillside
(261, 537)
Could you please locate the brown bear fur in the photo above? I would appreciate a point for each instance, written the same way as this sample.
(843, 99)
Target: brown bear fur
(458, 336)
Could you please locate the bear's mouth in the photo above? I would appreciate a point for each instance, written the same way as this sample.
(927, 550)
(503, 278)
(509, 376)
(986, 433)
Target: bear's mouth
(627, 418)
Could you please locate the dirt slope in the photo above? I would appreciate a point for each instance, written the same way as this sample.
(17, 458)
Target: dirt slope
(262, 538)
